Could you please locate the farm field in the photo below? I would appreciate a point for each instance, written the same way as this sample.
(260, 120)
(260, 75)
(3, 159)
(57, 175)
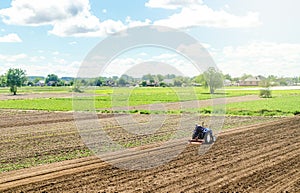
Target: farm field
(30, 138)
(42, 149)
(239, 160)
(60, 99)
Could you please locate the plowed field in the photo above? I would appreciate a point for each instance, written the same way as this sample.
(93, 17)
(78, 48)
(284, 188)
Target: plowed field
(264, 157)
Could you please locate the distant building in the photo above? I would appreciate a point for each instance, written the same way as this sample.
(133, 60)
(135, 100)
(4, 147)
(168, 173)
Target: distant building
(252, 81)
(227, 82)
(40, 83)
(152, 84)
(52, 83)
(168, 81)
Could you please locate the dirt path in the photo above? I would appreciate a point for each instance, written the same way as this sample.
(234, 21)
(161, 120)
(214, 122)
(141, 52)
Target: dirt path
(258, 158)
(189, 104)
(34, 96)
(41, 95)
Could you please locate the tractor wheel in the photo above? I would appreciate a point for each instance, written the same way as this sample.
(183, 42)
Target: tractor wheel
(209, 138)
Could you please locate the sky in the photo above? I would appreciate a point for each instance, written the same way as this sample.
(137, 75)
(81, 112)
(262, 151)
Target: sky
(251, 36)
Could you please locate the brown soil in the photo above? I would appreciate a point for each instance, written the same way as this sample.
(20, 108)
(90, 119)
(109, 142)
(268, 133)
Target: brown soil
(27, 137)
(35, 95)
(42, 95)
(260, 158)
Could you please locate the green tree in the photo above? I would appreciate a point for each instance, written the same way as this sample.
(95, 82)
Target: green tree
(283, 81)
(77, 86)
(200, 79)
(98, 82)
(295, 80)
(3, 81)
(122, 82)
(272, 78)
(228, 77)
(15, 78)
(160, 77)
(30, 83)
(265, 92)
(179, 81)
(148, 77)
(214, 79)
(52, 77)
(36, 80)
(170, 76)
(245, 76)
(265, 83)
(144, 83)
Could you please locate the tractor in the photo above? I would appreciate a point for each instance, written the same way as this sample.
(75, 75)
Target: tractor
(202, 135)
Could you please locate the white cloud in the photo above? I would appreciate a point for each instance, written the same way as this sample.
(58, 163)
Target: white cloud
(55, 53)
(43, 69)
(86, 27)
(119, 66)
(68, 17)
(10, 38)
(164, 56)
(134, 23)
(36, 12)
(194, 13)
(12, 58)
(104, 11)
(60, 61)
(37, 58)
(184, 66)
(74, 17)
(205, 45)
(40, 65)
(122, 65)
(143, 54)
(205, 16)
(172, 4)
(261, 58)
(72, 43)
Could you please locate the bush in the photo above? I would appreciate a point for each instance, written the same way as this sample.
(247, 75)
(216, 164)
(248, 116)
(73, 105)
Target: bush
(265, 93)
(206, 111)
(297, 113)
(144, 112)
(77, 87)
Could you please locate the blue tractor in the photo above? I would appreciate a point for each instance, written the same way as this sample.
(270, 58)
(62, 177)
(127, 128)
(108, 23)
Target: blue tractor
(202, 135)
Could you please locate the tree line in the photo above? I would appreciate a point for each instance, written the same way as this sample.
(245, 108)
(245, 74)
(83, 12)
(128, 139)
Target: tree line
(211, 78)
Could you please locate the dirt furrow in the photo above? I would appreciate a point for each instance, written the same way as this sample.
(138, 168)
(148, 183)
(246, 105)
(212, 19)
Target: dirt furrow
(128, 176)
(217, 174)
(283, 181)
(235, 163)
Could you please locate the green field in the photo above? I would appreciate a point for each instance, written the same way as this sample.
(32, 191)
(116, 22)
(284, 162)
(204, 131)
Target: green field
(277, 106)
(283, 103)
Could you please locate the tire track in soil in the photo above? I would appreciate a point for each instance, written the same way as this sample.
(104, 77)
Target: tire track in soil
(77, 165)
(276, 187)
(193, 175)
(283, 181)
(162, 132)
(179, 144)
(236, 176)
(250, 150)
(25, 118)
(246, 156)
(180, 160)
